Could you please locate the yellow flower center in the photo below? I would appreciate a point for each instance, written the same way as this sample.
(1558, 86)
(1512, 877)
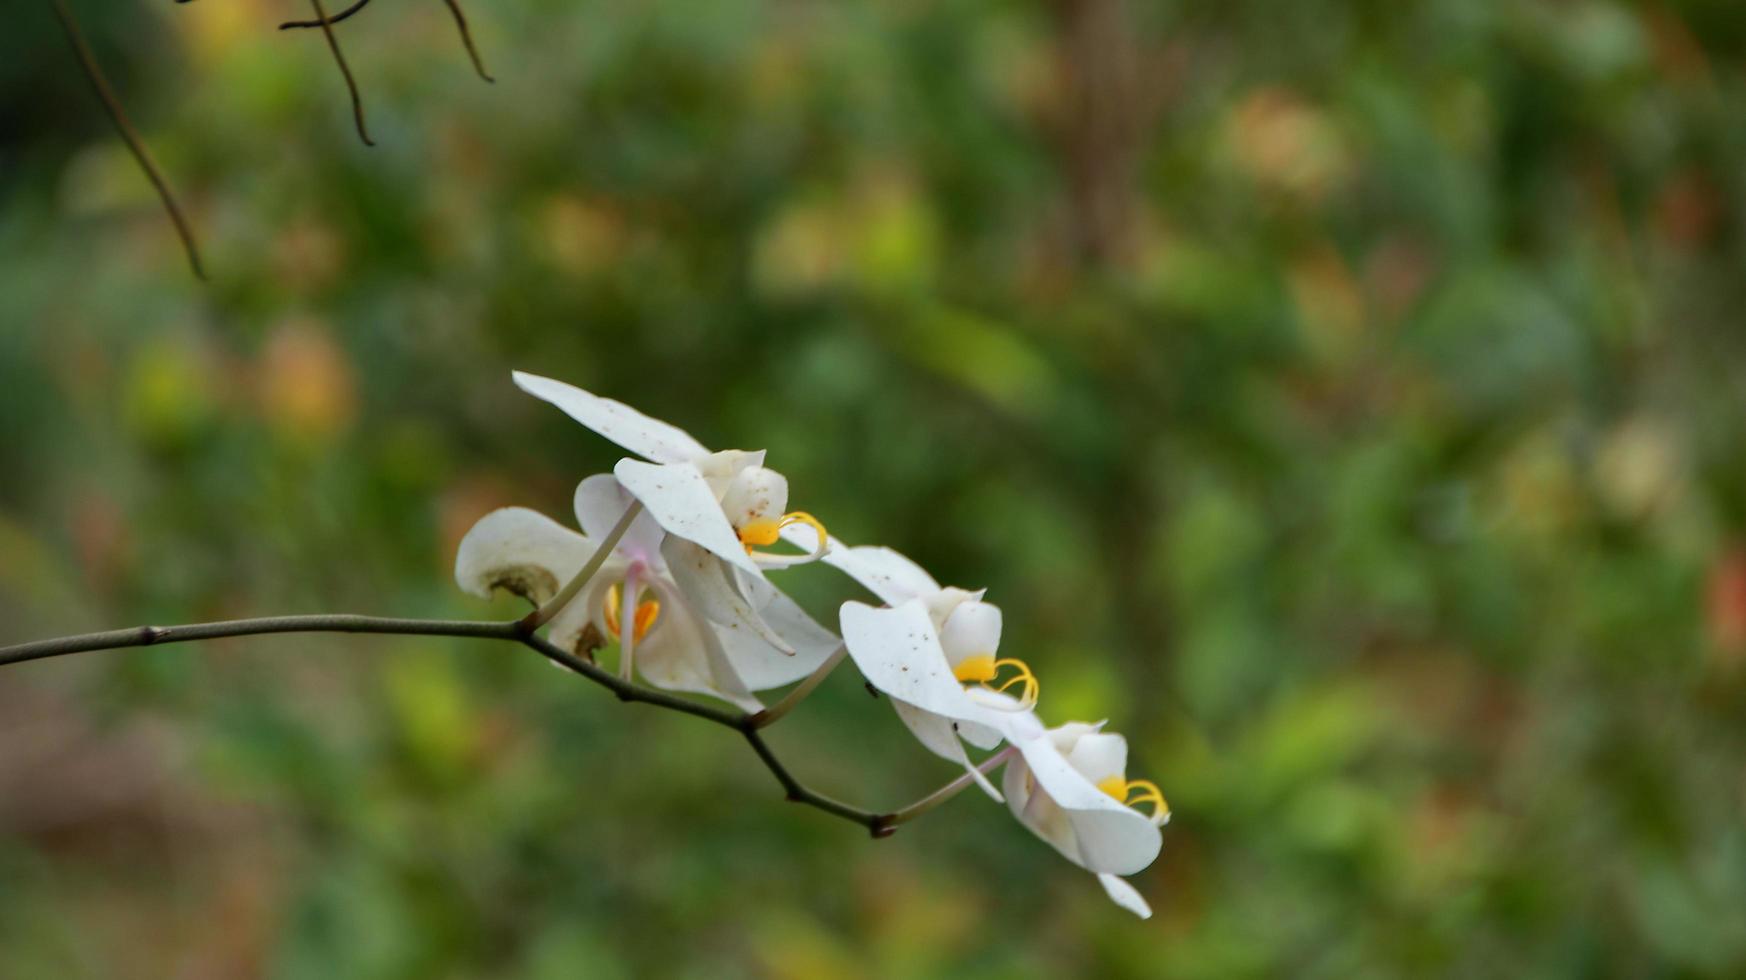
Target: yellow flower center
(1132, 792)
(764, 532)
(984, 669)
(647, 612)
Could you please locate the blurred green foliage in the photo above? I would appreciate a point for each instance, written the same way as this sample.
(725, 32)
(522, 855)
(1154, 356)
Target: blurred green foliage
(1346, 398)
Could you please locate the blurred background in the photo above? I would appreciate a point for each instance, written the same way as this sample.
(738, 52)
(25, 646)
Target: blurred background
(1346, 398)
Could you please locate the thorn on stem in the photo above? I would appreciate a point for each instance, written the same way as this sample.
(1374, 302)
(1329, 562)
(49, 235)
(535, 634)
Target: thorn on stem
(882, 827)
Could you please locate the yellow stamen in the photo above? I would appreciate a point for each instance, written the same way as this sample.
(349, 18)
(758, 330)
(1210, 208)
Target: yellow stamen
(984, 669)
(764, 532)
(644, 618)
(1132, 792)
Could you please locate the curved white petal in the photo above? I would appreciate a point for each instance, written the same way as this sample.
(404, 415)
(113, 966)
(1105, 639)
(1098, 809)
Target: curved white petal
(761, 665)
(719, 468)
(884, 572)
(765, 560)
(1066, 736)
(704, 579)
(1099, 755)
(942, 603)
(680, 500)
(758, 590)
(1123, 894)
(647, 437)
(899, 653)
(587, 609)
(756, 493)
(1108, 836)
(521, 551)
(972, 629)
(939, 735)
(984, 737)
(600, 502)
(1036, 810)
(683, 654)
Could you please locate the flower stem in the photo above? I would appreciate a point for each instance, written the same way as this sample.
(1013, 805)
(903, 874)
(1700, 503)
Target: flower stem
(949, 790)
(512, 631)
(543, 615)
(772, 715)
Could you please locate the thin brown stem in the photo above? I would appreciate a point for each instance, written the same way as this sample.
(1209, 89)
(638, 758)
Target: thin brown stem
(467, 39)
(336, 18)
(129, 135)
(345, 70)
(880, 825)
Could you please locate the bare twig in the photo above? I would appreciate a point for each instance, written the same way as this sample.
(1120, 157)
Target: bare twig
(336, 18)
(345, 70)
(129, 135)
(880, 825)
(467, 39)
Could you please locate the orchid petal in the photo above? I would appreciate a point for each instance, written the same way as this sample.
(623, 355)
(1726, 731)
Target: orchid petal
(680, 500)
(972, 629)
(645, 436)
(899, 653)
(703, 578)
(939, 735)
(1098, 756)
(1125, 895)
(683, 654)
(720, 468)
(521, 551)
(884, 572)
(587, 609)
(762, 666)
(756, 493)
(984, 737)
(1036, 810)
(600, 502)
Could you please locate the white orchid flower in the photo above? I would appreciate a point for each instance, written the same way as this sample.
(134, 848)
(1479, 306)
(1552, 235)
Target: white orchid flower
(723, 506)
(920, 666)
(968, 630)
(643, 583)
(1069, 785)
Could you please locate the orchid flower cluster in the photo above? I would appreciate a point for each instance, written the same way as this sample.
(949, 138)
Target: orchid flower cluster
(672, 563)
